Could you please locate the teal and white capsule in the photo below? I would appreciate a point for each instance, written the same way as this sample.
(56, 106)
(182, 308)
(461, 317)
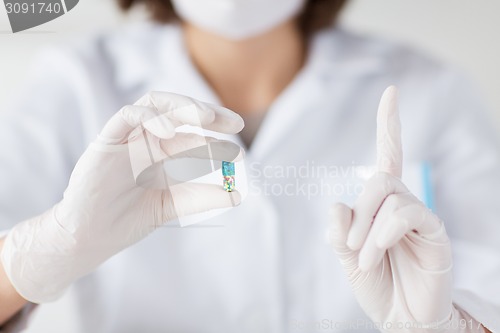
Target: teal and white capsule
(228, 175)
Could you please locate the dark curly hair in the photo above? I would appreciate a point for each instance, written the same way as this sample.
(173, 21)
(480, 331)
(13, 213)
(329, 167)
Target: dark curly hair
(316, 15)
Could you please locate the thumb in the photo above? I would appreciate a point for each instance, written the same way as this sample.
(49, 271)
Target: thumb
(191, 198)
(389, 151)
(340, 224)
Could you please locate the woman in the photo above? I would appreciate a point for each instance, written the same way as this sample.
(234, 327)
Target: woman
(307, 94)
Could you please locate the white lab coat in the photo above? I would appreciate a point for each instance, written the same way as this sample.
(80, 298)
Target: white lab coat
(263, 266)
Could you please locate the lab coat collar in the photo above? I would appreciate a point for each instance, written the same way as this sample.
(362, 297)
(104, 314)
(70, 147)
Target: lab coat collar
(134, 54)
(335, 56)
(149, 53)
(335, 51)
(153, 57)
(160, 61)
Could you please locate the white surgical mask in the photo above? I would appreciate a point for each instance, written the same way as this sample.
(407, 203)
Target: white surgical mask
(237, 19)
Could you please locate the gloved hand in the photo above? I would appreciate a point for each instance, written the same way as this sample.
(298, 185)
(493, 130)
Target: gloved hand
(103, 210)
(395, 251)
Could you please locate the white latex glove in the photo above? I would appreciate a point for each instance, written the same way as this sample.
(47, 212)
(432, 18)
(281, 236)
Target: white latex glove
(104, 210)
(395, 251)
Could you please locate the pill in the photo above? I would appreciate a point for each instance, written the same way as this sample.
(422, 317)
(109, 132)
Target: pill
(228, 176)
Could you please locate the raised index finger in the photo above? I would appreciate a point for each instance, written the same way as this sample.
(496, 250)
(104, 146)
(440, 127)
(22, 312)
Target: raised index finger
(389, 151)
(389, 161)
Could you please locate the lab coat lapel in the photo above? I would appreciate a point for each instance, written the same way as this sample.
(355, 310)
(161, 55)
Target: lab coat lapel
(331, 61)
(285, 112)
(178, 74)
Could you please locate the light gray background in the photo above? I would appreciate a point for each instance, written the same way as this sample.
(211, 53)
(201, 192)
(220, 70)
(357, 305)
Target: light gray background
(462, 32)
